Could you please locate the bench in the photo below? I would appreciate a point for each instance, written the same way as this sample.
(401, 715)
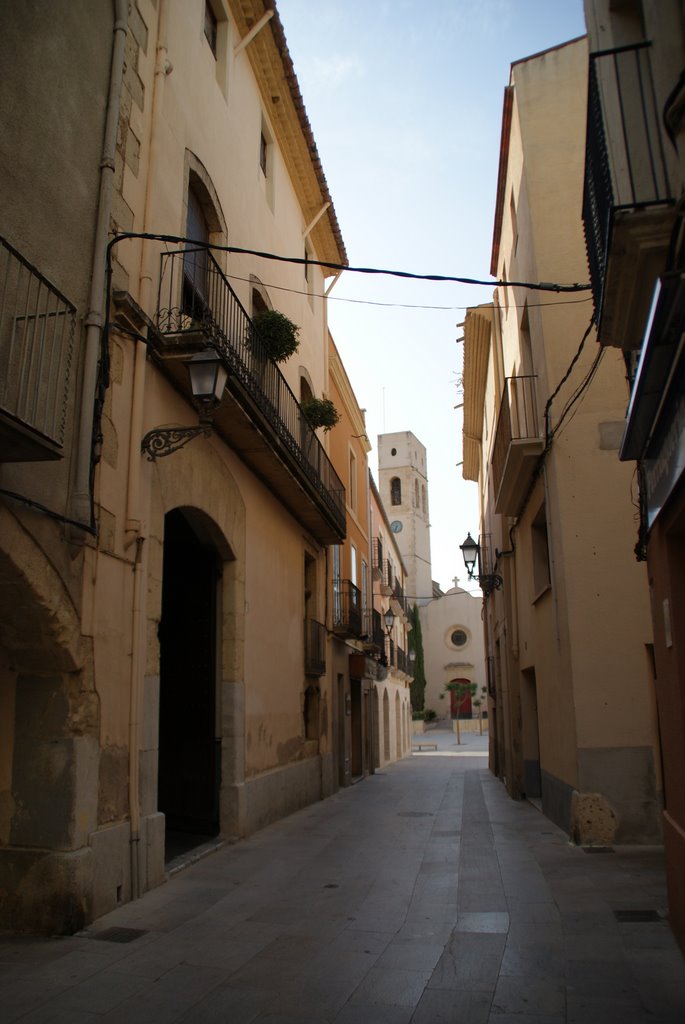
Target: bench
(425, 746)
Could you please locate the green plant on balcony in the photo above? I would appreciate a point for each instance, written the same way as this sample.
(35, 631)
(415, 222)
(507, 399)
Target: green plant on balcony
(278, 335)
(320, 412)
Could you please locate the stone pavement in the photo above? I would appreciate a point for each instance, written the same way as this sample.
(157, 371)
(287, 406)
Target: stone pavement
(423, 894)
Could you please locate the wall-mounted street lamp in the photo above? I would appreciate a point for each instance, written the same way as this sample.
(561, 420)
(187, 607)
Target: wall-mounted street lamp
(389, 619)
(488, 582)
(208, 377)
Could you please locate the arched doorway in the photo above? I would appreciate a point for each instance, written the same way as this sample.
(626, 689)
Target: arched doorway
(386, 726)
(189, 751)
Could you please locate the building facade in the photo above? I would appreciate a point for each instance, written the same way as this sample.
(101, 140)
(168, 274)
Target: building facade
(454, 652)
(567, 627)
(161, 682)
(392, 705)
(632, 212)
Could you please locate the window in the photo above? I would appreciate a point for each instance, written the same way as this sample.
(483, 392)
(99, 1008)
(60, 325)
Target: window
(424, 503)
(514, 224)
(308, 275)
(353, 565)
(416, 494)
(459, 637)
(395, 491)
(210, 27)
(540, 547)
(365, 585)
(266, 162)
(353, 482)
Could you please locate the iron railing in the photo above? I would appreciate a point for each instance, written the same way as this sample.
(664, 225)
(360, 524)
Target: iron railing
(194, 295)
(625, 160)
(37, 329)
(314, 648)
(398, 594)
(347, 608)
(373, 628)
(517, 421)
(377, 557)
(402, 659)
(387, 575)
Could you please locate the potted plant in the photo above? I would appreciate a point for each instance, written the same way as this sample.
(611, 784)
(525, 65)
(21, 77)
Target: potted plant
(278, 335)
(320, 412)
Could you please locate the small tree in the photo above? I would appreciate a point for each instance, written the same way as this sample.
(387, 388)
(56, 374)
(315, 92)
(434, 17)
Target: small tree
(462, 689)
(478, 705)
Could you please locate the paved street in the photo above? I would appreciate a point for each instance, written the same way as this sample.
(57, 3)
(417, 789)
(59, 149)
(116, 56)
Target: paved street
(422, 894)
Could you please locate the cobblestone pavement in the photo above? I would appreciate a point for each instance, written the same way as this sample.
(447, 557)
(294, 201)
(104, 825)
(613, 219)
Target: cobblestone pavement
(423, 894)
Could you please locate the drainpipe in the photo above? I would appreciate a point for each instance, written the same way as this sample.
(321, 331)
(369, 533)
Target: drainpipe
(94, 321)
(162, 69)
(135, 524)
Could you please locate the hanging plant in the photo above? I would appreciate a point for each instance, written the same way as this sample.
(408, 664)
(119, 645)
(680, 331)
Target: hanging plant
(320, 412)
(278, 335)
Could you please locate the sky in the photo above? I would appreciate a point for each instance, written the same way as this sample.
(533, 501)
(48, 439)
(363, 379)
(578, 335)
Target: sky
(405, 102)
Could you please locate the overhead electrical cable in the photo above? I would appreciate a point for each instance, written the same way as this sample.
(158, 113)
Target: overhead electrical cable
(402, 305)
(543, 286)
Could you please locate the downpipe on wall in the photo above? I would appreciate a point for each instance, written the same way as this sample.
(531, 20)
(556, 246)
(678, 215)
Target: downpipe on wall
(94, 322)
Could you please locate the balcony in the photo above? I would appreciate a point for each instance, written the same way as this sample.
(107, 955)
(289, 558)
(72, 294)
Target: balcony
(314, 648)
(628, 204)
(37, 329)
(518, 445)
(401, 660)
(347, 609)
(259, 418)
(373, 633)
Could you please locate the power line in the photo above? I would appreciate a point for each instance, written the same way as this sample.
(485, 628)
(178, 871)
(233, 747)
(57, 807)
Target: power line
(402, 305)
(543, 286)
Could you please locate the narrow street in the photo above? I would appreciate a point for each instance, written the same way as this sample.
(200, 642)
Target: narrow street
(423, 894)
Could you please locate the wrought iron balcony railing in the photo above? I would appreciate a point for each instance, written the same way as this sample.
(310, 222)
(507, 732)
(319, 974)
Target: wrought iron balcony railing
(196, 301)
(517, 445)
(37, 329)
(625, 160)
(373, 629)
(314, 648)
(347, 609)
(401, 659)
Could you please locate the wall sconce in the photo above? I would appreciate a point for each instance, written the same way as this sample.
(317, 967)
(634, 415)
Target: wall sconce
(208, 377)
(488, 582)
(389, 619)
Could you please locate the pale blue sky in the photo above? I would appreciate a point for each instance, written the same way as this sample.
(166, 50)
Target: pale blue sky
(405, 101)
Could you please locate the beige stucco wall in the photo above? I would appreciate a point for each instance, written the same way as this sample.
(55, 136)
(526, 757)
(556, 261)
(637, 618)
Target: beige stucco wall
(443, 661)
(575, 683)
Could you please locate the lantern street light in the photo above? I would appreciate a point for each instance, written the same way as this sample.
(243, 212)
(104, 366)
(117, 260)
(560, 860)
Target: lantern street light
(389, 619)
(488, 582)
(208, 376)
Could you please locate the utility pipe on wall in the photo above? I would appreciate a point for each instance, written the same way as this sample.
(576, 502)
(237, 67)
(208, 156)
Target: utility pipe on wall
(136, 530)
(82, 500)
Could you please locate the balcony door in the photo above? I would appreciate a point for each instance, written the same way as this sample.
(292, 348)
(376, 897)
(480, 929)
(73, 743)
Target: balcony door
(196, 261)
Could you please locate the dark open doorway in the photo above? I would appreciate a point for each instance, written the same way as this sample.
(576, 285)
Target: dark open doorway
(189, 752)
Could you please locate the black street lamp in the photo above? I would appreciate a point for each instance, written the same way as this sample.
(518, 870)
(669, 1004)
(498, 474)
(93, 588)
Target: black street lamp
(488, 582)
(208, 376)
(389, 618)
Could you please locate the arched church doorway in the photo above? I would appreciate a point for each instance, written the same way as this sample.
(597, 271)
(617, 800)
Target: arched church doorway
(189, 751)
